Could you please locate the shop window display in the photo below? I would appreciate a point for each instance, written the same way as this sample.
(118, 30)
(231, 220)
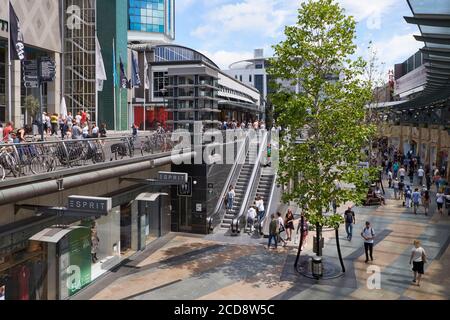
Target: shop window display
(23, 274)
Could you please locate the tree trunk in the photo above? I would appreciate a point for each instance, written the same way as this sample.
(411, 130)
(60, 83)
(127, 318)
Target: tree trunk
(318, 238)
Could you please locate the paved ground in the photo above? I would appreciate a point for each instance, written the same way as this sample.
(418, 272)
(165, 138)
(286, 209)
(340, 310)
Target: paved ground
(182, 266)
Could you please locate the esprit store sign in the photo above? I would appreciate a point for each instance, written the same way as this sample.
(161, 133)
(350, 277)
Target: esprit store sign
(90, 204)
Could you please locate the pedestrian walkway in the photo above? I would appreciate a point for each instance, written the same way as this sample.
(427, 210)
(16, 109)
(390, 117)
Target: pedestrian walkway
(222, 267)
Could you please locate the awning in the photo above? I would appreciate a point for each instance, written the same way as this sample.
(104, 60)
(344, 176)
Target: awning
(150, 197)
(53, 235)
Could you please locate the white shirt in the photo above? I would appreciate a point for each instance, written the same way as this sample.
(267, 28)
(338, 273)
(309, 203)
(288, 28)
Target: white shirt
(420, 172)
(251, 213)
(280, 222)
(440, 198)
(85, 131)
(395, 184)
(390, 175)
(417, 254)
(368, 233)
(402, 172)
(95, 130)
(78, 118)
(260, 205)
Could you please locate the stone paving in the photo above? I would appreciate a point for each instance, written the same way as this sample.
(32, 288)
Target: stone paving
(239, 268)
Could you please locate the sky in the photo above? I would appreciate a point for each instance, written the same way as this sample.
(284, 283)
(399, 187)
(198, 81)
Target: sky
(229, 30)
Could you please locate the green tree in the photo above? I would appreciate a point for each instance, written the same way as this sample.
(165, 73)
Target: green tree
(329, 111)
(32, 106)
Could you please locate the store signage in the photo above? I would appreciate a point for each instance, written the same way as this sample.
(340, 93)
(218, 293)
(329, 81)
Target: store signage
(90, 204)
(4, 25)
(185, 190)
(173, 177)
(47, 69)
(30, 74)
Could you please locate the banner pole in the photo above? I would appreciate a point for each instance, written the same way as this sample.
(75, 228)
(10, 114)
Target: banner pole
(9, 66)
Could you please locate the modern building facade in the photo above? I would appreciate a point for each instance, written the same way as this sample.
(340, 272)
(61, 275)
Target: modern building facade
(410, 77)
(151, 20)
(187, 87)
(41, 27)
(253, 72)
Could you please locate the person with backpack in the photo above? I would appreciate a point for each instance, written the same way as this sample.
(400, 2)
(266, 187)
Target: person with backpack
(368, 235)
(418, 259)
(401, 188)
(349, 217)
(416, 199)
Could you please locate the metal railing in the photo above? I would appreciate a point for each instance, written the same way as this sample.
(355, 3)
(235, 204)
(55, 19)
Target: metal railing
(27, 159)
(239, 221)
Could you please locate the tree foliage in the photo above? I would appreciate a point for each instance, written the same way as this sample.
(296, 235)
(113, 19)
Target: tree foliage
(330, 109)
(32, 105)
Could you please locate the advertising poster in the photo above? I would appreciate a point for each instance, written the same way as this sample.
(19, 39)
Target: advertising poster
(75, 262)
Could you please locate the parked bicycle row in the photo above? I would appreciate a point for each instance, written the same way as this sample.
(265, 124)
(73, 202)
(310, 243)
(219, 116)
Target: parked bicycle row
(25, 159)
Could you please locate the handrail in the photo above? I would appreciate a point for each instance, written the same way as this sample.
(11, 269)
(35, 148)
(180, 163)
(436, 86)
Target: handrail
(251, 187)
(239, 161)
(262, 223)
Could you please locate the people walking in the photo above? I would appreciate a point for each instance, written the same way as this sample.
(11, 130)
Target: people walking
(273, 231)
(390, 177)
(418, 259)
(396, 190)
(416, 199)
(349, 217)
(402, 173)
(408, 195)
(289, 224)
(368, 235)
(411, 175)
(426, 200)
(281, 229)
(401, 189)
(440, 200)
(420, 175)
(303, 232)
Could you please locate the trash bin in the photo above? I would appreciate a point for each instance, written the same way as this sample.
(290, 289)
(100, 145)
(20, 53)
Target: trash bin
(317, 268)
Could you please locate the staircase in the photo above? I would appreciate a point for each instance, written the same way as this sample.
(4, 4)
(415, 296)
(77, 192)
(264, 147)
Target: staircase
(241, 186)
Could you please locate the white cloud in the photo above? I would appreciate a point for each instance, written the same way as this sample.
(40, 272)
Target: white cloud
(396, 49)
(363, 9)
(224, 58)
(265, 17)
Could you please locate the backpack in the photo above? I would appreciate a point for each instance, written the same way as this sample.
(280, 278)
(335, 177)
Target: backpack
(408, 193)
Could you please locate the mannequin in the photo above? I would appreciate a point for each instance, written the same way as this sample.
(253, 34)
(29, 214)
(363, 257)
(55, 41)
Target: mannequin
(94, 242)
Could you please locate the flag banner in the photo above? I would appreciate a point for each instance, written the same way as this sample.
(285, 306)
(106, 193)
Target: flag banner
(16, 45)
(146, 75)
(100, 71)
(123, 77)
(114, 65)
(135, 78)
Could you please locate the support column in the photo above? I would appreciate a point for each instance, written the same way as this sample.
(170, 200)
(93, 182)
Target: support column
(54, 88)
(15, 93)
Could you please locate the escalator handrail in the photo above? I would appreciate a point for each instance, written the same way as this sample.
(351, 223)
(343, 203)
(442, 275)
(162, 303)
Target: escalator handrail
(251, 185)
(269, 203)
(240, 157)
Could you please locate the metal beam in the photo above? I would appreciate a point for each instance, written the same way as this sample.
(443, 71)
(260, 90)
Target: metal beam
(434, 20)
(433, 39)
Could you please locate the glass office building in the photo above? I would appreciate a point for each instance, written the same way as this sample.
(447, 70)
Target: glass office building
(152, 16)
